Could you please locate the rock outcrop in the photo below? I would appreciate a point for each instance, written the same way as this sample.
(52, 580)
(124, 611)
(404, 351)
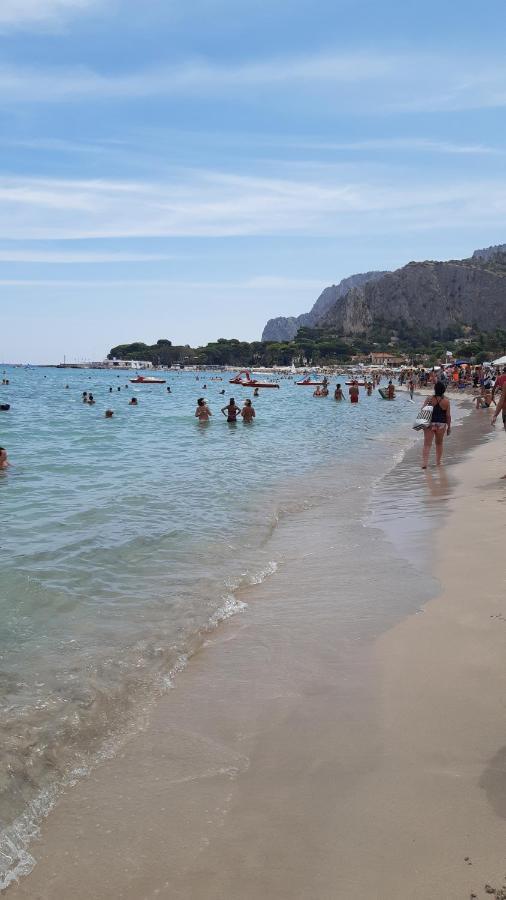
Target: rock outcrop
(427, 295)
(488, 253)
(285, 328)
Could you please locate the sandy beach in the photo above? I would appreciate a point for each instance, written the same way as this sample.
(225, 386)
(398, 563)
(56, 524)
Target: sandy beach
(297, 759)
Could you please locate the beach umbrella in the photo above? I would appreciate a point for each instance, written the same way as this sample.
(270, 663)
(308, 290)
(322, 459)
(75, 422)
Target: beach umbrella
(500, 362)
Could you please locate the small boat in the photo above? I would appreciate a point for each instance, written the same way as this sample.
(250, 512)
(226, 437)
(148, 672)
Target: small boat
(147, 379)
(248, 381)
(383, 392)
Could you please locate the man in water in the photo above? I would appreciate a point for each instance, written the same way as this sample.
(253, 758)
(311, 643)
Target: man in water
(391, 391)
(354, 392)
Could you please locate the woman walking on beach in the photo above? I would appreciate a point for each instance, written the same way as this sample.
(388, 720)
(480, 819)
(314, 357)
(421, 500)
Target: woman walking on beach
(439, 426)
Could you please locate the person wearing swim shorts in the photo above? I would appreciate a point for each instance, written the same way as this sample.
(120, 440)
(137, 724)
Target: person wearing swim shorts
(354, 392)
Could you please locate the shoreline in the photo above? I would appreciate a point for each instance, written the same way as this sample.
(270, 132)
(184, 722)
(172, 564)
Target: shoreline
(227, 747)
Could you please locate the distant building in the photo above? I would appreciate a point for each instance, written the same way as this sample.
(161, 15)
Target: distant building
(386, 359)
(122, 364)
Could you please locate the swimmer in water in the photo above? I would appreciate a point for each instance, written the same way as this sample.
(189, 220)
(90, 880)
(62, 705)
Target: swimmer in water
(247, 412)
(354, 392)
(255, 392)
(169, 390)
(338, 393)
(85, 396)
(133, 401)
(202, 412)
(4, 462)
(231, 410)
(109, 413)
(91, 399)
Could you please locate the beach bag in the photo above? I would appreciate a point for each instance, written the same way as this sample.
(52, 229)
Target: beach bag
(424, 417)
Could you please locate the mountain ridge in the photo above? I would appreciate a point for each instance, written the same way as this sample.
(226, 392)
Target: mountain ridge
(284, 328)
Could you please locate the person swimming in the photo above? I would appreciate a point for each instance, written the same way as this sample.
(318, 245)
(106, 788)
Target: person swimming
(338, 393)
(4, 462)
(133, 401)
(247, 412)
(109, 413)
(85, 396)
(90, 400)
(255, 392)
(202, 412)
(231, 410)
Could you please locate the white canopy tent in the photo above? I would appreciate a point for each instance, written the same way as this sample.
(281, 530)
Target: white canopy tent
(500, 362)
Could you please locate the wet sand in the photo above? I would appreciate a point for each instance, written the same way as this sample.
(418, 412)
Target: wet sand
(306, 752)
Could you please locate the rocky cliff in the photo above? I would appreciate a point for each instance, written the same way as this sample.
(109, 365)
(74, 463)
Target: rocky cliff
(489, 252)
(285, 328)
(428, 295)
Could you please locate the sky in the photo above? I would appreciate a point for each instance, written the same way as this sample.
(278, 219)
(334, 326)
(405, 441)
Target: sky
(189, 170)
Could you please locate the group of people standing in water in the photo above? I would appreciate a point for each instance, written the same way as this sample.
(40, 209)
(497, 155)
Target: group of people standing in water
(231, 411)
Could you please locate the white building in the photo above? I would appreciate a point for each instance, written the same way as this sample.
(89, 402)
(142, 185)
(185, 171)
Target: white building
(122, 364)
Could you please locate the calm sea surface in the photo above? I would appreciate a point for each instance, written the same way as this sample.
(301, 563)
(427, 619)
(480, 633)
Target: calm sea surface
(125, 541)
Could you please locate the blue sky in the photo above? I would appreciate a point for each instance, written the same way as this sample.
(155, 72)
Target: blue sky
(189, 170)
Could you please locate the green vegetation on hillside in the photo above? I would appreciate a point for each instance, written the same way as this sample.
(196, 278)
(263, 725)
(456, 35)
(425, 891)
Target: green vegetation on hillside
(320, 346)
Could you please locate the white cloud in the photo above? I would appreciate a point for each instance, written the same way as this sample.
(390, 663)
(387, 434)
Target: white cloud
(194, 77)
(353, 81)
(212, 204)
(63, 257)
(396, 144)
(21, 13)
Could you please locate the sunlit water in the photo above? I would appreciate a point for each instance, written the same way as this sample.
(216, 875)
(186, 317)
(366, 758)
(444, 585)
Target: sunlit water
(125, 541)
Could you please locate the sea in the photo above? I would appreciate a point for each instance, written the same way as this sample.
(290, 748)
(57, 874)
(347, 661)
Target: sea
(125, 542)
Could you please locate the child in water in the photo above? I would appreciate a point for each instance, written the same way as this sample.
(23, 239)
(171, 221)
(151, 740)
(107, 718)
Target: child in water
(202, 412)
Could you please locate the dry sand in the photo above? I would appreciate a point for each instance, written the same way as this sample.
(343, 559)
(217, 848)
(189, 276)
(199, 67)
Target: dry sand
(291, 763)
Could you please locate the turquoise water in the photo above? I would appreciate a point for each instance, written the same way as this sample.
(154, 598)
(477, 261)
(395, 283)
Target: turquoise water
(124, 541)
